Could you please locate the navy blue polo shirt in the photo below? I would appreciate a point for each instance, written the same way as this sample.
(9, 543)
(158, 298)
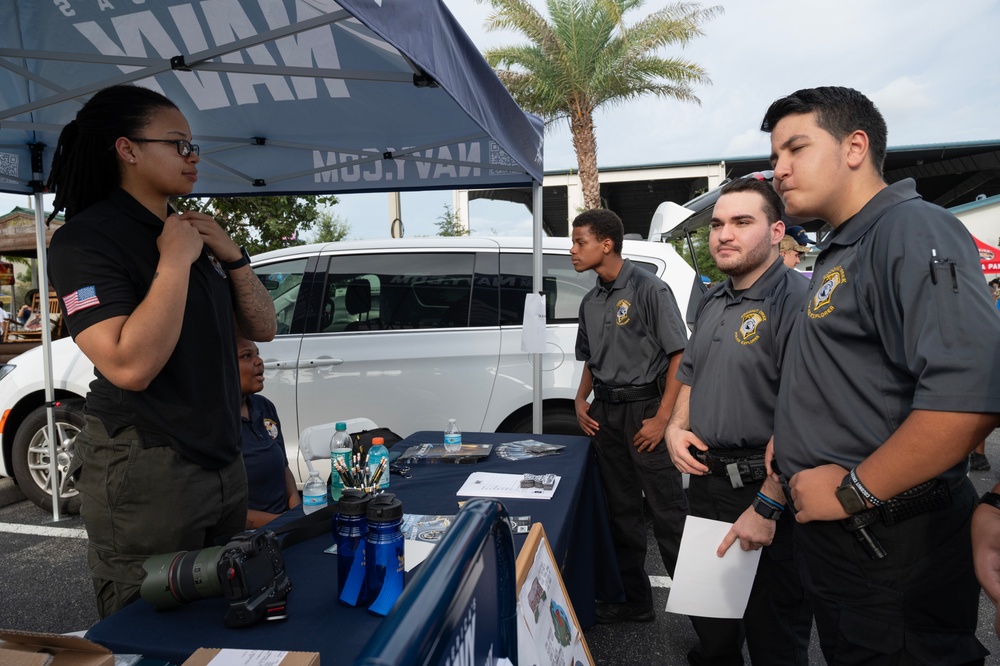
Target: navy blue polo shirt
(898, 317)
(733, 360)
(102, 263)
(628, 331)
(264, 457)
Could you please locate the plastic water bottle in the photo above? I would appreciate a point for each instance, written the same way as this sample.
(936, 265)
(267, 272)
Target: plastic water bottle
(313, 493)
(384, 564)
(340, 449)
(376, 455)
(452, 437)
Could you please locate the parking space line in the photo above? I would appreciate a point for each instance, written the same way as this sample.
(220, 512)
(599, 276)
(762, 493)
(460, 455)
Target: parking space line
(41, 530)
(660, 581)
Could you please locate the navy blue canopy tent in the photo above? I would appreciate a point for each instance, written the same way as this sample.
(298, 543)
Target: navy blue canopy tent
(283, 97)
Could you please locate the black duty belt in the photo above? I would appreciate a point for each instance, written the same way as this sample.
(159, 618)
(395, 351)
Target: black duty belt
(627, 393)
(928, 496)
(740, 466)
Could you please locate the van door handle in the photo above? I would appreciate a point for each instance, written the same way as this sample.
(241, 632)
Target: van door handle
(320, 362)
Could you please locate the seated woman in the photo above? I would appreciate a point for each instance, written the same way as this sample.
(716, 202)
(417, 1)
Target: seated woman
(270, 484)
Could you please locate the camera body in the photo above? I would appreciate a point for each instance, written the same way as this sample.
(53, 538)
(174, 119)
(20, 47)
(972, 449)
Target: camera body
(252, 573)
(249, 571)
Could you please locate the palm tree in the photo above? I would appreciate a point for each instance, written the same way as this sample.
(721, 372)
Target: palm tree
(586, 57)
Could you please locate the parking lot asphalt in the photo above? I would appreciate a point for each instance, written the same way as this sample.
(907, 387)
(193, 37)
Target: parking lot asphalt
(45, 586)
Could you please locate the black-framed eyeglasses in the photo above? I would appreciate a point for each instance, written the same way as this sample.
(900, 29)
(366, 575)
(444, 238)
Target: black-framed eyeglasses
(184, 148)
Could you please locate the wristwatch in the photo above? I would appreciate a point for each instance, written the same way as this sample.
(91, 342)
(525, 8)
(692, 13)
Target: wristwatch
(766, 510)
(990, 498)
(239, 263)
(850, 498)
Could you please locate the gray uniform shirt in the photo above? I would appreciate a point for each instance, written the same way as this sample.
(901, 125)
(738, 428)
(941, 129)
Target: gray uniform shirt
(898, 317)
(628, 332)
(733, 360)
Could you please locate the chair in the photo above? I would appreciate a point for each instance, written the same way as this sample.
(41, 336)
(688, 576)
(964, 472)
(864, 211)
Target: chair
(32, 330)
(314, 441)
(358, 300)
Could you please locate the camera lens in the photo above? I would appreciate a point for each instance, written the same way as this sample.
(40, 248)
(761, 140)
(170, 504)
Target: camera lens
(173, 579)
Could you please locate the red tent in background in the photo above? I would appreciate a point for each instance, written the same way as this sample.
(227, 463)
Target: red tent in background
(989, 256)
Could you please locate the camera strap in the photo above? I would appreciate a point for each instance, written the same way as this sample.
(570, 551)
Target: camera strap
(306, 527)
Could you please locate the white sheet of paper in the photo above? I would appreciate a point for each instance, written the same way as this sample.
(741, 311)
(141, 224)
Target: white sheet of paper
(415, 552)
(492, 484)
(533, 330)
(704, 584)
(233, 657)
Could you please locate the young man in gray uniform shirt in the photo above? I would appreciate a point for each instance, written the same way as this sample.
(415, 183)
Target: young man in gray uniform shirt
(631, 336)
(724, 417)
(893, 361)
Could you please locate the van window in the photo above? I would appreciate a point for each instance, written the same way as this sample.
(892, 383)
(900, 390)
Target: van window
(283, 281)
(563, 287)
(375, 292)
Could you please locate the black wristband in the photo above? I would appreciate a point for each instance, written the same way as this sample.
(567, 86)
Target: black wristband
(766, 508)
(856, 482)
(990, 498)
(239, 263)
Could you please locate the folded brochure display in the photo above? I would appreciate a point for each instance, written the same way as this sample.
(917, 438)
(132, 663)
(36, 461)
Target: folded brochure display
(548, 632)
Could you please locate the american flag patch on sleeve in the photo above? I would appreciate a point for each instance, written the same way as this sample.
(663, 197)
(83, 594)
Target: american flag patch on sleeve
(81, 299)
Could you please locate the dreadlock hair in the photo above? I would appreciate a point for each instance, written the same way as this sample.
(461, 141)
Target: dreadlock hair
(85, 164)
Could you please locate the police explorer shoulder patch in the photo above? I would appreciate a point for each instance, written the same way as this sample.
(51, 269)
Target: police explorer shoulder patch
(272, 428)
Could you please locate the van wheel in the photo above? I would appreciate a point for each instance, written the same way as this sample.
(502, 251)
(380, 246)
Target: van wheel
(31, 455)
(556, 421)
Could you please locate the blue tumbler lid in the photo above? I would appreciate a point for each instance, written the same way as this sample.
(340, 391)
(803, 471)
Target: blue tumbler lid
(384, 508)
(353, 502)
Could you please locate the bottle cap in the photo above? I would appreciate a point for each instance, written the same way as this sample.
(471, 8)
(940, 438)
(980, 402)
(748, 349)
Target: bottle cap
(341, 425)
(353, 502)
(377, 440)
(384, 508)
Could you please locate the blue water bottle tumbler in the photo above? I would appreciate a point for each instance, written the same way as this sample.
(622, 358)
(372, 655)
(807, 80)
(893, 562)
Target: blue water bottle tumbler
(351, 528)
(384, 569)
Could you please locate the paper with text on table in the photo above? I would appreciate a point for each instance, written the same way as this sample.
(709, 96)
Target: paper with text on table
(491, 484)
(704, 584)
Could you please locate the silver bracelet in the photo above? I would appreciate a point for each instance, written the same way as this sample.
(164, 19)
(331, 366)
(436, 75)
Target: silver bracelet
(856, 482)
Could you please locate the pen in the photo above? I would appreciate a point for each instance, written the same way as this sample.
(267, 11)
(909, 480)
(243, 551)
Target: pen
(378, 471)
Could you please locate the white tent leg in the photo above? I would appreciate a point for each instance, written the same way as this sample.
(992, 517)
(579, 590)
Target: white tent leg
(43, 299)
(537, 286)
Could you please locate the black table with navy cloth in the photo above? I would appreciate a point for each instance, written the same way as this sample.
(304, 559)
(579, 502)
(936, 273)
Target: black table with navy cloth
(575, 521)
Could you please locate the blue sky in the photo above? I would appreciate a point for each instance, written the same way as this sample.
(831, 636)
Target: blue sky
(933, 70)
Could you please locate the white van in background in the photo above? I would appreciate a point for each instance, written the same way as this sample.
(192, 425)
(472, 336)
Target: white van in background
(406, 332)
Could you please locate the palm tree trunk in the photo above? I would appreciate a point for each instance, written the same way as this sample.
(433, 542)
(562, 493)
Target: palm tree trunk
(585, 145)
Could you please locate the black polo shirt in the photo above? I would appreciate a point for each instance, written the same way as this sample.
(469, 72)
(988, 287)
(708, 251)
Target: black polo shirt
(733, 359)
(104, 258)
(628, 332)
(898, 317)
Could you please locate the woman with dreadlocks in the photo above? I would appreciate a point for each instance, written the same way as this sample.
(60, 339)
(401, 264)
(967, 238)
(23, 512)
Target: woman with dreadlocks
(153, 298)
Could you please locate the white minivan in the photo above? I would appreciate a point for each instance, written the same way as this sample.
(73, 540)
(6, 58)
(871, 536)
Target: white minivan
(406, 332)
